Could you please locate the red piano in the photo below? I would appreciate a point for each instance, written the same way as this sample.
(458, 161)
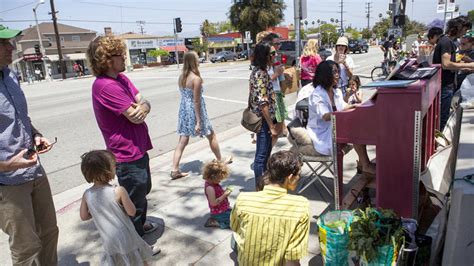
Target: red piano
(401, 123)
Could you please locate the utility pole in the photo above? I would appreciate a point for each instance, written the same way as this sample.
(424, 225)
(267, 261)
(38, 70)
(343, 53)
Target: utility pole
(140, 24)
(297, 7)
(368, 14)
(342, 17)
(58, 40)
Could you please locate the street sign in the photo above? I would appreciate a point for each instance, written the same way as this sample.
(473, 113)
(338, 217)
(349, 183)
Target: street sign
(247, 35)
(248, 41)
(396, 32)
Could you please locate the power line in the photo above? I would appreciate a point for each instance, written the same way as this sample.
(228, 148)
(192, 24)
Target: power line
(150, 8)
(17, 7)
(98, 21)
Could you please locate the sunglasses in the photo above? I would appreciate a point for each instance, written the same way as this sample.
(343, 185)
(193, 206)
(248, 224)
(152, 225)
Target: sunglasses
(39, 148)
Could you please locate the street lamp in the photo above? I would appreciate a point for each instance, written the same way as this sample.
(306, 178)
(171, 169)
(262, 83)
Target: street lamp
(43, 52)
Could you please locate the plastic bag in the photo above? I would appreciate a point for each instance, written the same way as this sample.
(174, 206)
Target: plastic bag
(467, 92)
(334, 237)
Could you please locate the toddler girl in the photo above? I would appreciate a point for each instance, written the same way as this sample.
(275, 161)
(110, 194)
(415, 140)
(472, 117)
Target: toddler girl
(111, 208)
(214, 172)
(353, 95)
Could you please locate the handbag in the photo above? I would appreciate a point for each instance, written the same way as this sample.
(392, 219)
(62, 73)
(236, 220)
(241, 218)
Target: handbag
(250, 120)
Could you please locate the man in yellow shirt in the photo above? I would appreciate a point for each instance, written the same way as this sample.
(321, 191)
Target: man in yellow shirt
(271, 227)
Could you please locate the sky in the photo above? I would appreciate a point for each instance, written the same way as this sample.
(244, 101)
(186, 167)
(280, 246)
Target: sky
(122, 15)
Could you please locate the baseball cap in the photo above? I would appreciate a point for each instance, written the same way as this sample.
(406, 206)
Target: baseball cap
(342, 41)
(469, 34)
(6, 33)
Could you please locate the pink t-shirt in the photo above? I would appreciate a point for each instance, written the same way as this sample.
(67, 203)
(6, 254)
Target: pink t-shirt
(308, 66)
(110, 98)
(224, 205)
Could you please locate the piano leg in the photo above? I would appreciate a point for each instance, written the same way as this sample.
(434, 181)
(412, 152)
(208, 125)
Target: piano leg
(338, 181)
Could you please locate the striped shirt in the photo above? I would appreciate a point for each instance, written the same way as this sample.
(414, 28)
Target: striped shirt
(270, 226)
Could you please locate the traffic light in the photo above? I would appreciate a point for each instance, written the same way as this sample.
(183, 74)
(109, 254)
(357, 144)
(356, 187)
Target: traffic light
(37, 49)
(177, 23)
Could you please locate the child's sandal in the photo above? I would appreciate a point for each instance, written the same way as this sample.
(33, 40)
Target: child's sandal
(211, 222)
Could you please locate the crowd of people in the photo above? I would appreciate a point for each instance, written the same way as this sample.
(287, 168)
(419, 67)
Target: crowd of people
(270, 226)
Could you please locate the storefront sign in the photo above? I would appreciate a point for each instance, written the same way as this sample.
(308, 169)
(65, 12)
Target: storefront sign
(31, 57)
(142, 44)
(170, 42)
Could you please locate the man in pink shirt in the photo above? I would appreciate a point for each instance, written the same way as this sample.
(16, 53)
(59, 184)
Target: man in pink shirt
(120, 111)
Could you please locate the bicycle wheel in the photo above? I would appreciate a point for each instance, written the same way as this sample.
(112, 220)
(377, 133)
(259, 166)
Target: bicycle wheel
(378, 74)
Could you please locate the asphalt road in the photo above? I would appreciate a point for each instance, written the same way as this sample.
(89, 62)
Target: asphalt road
(63, 109)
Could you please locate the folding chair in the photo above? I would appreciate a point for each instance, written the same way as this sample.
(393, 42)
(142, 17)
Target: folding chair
(318, 164)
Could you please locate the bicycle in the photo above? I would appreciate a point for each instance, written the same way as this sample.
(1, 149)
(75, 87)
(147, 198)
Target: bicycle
(380, 72)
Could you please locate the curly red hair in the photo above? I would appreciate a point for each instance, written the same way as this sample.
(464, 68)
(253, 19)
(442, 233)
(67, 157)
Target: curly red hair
(100, 51)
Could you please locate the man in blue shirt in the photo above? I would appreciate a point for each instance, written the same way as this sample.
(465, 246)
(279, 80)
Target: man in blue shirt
(27, 213)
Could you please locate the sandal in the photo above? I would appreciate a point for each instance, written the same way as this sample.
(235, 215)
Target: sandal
(153, 227)
(211, 222)
(155, 250)
(177, 175)
(229, 160)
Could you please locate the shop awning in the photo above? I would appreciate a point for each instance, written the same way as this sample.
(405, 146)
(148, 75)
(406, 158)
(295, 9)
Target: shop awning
(72, 57)
(180, 48)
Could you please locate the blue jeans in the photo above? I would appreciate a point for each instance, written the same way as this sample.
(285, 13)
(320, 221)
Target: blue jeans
(264, 149)
(135, 177)
(446, 97)
(223, 219)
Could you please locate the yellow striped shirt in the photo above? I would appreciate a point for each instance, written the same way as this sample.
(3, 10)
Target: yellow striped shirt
(271, 226)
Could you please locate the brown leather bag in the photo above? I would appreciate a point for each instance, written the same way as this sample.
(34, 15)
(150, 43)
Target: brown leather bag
(250, 120)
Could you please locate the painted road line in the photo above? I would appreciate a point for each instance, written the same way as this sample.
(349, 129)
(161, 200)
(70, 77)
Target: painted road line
(224, 100)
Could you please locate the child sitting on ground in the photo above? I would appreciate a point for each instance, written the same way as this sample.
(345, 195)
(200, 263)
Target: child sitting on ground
(214, 172)
(353, 95)
(111, 208)
(271, 227)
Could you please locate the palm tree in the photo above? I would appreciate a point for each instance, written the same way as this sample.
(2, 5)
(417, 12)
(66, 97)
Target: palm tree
(206, 29)
(256, 15)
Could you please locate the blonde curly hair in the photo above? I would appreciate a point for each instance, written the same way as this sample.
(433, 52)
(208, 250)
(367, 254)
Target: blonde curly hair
(215, 171)
(311, 47)
(100, 52)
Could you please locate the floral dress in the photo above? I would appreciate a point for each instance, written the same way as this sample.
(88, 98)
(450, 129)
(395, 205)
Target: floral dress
(261, 92)
(187, 115)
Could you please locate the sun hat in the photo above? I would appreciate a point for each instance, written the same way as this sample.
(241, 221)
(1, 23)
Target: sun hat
(6, 33)
(342, 41)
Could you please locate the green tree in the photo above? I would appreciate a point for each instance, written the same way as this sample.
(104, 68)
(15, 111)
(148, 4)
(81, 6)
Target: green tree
(158, 53)
(328, 34)
(366, 33)
(200, 47)
(470, 14)
(413, 27)
(355, 34)
(206, 29)
(382, 26)
(256, 15)
(223, 26)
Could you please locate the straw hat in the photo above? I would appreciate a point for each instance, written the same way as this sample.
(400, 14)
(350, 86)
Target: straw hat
(342, 41)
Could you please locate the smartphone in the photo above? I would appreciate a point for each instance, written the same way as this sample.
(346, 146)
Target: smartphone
(230, 188)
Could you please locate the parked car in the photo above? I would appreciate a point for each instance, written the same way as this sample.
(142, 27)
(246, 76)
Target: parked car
(287, 52)
(223, 56)
(244, 54)
(358, 46)
(324, 53)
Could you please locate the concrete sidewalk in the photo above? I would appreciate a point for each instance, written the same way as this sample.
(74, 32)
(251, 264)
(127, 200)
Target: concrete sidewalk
(180, 207)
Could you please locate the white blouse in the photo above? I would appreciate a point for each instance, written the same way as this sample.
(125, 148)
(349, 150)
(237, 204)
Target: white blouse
(320, 131)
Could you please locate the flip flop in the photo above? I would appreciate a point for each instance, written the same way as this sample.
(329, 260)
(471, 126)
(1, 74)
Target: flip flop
(211, 222)
(177, 175)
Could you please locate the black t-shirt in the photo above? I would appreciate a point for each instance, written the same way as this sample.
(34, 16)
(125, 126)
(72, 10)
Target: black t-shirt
(445, 45)
(386, 45)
